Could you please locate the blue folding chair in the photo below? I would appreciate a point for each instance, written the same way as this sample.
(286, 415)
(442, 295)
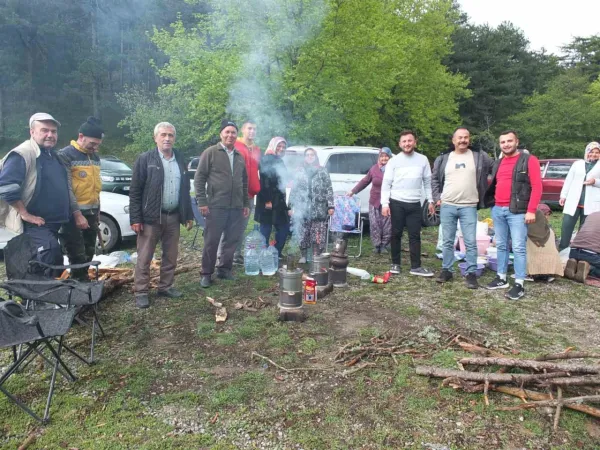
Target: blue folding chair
(200, 222)
(346, 220)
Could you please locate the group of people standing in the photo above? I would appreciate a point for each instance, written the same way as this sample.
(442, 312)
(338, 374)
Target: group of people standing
(49, 194)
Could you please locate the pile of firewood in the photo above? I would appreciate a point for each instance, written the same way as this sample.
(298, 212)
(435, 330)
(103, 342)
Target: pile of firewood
(569, 379)
(115, 277)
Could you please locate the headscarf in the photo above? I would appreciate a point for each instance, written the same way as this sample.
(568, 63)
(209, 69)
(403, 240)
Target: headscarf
(386, 151)
(272, 148)
(316, 163)
(589, 148)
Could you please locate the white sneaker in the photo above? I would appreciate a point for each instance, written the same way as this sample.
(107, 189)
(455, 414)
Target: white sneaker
(302, 260)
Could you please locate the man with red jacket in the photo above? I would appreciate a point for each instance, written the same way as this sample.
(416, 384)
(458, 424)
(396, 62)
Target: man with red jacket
(514, 194)
(251, 154)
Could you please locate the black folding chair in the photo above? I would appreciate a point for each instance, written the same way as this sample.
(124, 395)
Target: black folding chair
(200, 222)
(35, 331)
(25, 282)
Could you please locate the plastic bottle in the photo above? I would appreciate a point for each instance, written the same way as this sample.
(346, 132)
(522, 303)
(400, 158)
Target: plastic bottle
(363, 274)
(252, 261)
(267, 262)
(254, 240)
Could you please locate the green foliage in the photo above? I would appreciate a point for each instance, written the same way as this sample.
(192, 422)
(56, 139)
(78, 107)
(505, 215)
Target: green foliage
(560, 122)
(584, 54)
(502, 71)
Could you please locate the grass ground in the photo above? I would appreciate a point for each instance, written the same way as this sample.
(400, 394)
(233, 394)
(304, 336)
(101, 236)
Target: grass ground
(170, 377)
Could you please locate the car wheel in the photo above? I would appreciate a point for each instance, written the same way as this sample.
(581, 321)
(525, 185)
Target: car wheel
(109, 232)
(430, 220)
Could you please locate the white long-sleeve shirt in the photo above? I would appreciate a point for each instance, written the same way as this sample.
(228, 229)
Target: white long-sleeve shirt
(405, 179)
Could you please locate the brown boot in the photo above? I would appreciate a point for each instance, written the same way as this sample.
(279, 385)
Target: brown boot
(583, 269)
(571, 269)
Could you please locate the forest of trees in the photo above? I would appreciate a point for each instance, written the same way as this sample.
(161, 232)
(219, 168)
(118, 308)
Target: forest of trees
(336, 72)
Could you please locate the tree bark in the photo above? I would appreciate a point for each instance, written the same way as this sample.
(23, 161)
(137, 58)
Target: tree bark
(95, 83)
(1, 113)
(567, 355)
(491, 377)
(531, 364)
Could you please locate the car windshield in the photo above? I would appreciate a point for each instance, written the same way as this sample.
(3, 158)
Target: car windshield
(114, 164)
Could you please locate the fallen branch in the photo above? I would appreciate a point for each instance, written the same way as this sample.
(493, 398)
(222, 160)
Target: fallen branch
(574, 381)
(525, 394)
(479, 350)
(566, 355)
(119, 280)
(481, 376)
(295, 369)
(558, 409)
(553, 403)
(531, 364)
(30, 439)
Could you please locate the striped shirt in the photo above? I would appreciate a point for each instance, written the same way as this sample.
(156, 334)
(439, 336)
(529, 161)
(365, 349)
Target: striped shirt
(171, 183)
(406, 178)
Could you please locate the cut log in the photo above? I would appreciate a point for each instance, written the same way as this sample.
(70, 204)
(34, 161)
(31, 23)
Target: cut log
(531, 364)
(527, 394)
(482, 376)
(566, 355)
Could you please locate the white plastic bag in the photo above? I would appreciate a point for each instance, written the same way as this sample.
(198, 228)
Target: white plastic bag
(564, 255)
(363, 274)
(122, 257)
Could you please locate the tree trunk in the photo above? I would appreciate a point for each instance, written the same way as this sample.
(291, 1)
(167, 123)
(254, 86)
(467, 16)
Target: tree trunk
(95, 83)
(1, 113)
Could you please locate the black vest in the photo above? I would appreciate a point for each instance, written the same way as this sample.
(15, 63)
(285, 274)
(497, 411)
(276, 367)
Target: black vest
(520, 189)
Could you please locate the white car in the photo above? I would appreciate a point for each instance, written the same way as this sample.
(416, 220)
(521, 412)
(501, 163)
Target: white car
(346, 167)
(114, 221)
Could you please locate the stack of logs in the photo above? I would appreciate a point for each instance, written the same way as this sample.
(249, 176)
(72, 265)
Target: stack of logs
(115, 277)
(549, 383)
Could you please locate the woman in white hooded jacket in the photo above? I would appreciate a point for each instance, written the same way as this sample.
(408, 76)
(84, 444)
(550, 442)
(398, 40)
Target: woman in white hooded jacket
(580, 195)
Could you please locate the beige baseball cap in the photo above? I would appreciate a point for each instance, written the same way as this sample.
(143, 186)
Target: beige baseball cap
(41, 117)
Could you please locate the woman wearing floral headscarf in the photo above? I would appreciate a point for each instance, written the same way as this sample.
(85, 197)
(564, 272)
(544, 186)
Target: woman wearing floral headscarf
(271, 208)
(311, 202)
(380, 226)
(580, 195)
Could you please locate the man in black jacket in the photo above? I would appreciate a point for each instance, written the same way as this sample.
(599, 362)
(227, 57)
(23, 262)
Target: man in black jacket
(459, 183)
(159, 201)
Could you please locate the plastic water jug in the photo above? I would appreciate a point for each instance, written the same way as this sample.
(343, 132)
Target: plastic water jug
(267, 261)
(254, 240)
(252, 262)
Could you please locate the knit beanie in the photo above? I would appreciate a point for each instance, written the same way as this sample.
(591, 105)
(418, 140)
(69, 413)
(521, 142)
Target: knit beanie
(92, 127)
(227, 123)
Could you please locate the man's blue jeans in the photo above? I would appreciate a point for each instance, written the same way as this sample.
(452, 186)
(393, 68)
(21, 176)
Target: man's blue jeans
(449, 216)
(508, 224)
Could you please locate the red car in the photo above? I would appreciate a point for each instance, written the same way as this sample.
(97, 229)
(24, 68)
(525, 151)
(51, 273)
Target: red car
(554, 172)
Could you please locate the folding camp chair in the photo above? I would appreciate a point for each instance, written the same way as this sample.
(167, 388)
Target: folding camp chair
(35, 330)
(346, 220)
(200, 222)
(25, 282)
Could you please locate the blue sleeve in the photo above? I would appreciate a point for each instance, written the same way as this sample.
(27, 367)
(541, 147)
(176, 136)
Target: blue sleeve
(11, 178)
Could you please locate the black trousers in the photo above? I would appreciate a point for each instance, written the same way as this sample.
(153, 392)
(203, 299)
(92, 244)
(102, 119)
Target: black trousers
(80, 245)
(406, 215)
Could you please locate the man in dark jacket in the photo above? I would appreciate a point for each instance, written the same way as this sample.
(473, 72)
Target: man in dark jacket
(459, 183)
(221, 185)
(159, 201)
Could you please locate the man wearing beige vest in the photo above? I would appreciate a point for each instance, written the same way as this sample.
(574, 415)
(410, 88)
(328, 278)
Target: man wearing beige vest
(35, 196)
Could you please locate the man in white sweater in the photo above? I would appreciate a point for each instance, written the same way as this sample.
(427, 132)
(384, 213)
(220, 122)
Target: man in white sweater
(407, 177)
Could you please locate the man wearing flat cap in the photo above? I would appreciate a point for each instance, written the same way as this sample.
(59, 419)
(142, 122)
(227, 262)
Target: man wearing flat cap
(35, 195)
(83, 169)
(221, 185)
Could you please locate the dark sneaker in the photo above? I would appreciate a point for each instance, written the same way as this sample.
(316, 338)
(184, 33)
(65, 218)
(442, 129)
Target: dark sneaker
(497, 283)
(385, 249)
(395, 269)
(205, 281)
(141, 301)
(238, 260)
(421, 272)
(376, 250)
(571, 269)
(225, 275)
(583, 270)
(516, 292)
(471, 280)
(543, 278)
(170, 293)
(444, 276)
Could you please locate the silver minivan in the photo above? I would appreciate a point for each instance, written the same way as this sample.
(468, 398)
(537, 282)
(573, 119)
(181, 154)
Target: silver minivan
(346, 167)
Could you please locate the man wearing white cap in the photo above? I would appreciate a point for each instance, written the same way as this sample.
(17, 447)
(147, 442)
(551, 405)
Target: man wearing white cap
(35, 198)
